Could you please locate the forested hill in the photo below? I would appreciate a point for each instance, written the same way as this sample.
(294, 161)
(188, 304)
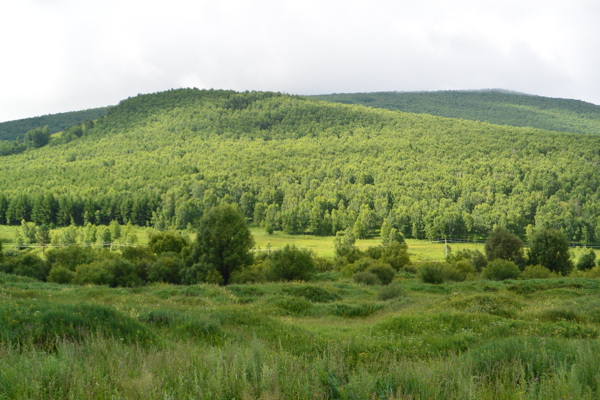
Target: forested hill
(12, 130)
(304, 165)
(494, 106)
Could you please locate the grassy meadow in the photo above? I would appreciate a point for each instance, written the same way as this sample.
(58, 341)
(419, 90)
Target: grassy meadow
(330, 338)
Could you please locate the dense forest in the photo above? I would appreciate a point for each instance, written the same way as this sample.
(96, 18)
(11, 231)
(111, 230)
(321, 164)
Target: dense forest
(303, 165)
(493, 106)
(12, 130)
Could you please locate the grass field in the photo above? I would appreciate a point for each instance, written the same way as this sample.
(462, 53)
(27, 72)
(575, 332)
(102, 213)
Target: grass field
(533, 339)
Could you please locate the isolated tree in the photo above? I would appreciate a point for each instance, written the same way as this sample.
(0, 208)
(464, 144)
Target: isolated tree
(504, 245)
(550, 248)
(587, 260)
(223, 242)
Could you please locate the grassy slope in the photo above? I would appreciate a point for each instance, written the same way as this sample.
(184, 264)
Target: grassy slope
(497, 107)
(470, 340)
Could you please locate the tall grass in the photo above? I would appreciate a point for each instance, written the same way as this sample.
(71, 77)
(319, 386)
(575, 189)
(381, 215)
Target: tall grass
(323, 340)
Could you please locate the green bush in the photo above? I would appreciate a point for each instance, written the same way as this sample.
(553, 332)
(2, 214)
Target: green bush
(390, 292)
(165, 269)
(535, 272)
(384, 272)
(587, 261)
(313, 294)
(31, 265)
(60, 274)
(291, 264)
(366, 278)
(433, 273)
(499, 270)
(248, 275)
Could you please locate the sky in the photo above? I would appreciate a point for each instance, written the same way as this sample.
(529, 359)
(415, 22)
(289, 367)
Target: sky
(69, 55)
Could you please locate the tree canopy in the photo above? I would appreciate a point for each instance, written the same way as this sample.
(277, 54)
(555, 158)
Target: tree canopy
(224, 242)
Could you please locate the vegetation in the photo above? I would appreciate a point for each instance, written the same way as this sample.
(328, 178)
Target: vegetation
(494, 106)
(531, 339)
(304, 167)
(13, 130)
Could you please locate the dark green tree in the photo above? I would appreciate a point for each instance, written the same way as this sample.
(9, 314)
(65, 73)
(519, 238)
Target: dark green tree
(223, 242)
(587, 260)
(550, 248)
(38, 137)
(504, 245)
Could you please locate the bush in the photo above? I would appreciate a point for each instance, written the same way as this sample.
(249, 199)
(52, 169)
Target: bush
(165, 269)
(60, 274)
(28, 264)
(466, 268)
(366, 278)
(433, 273)
(535, 272)
(384, 272)
(291, 264)
(248, 275)
(314, 294)
(71, 256)
(390, 292)
(499, 270)
(587, 261)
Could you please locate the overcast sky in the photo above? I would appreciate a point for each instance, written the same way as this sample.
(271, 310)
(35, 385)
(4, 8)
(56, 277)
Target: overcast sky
(67, 55)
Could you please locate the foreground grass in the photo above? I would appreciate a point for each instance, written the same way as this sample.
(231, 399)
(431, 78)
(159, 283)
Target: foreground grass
(533, 339)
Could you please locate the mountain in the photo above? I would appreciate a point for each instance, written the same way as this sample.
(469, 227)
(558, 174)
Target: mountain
(304, 165)
(12, 130)
(494, 106)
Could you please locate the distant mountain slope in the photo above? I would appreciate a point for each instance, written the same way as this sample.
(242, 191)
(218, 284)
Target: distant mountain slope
(56, 122)
(494, 106)
(302, 165)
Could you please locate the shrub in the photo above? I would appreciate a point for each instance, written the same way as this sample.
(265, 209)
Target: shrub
(390, 292)
(28, 264)
(396, 254)
(167, 242)
(165, 269)
(93, 273)
(465, 268)
(60, 274)
(535, 272)
(366, 278)
(384, 272)
(71, 256)
(587, 261)
(499, 270)
(248, 275)
(432, 273)
(313, 294)
(291, 263)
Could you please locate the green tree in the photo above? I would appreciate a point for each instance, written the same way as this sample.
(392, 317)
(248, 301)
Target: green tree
(223, 242)
(587, 260)
(38, 137)
(504, 245)
(550, 248)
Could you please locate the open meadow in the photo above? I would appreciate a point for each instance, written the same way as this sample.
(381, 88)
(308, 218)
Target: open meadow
(327, 339)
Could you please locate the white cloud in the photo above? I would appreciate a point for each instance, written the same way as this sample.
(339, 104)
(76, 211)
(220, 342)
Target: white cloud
(62, 55)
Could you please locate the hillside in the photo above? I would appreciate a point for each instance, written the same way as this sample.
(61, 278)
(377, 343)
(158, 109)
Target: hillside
(302, 165)
(493, 106)
(12, 130)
